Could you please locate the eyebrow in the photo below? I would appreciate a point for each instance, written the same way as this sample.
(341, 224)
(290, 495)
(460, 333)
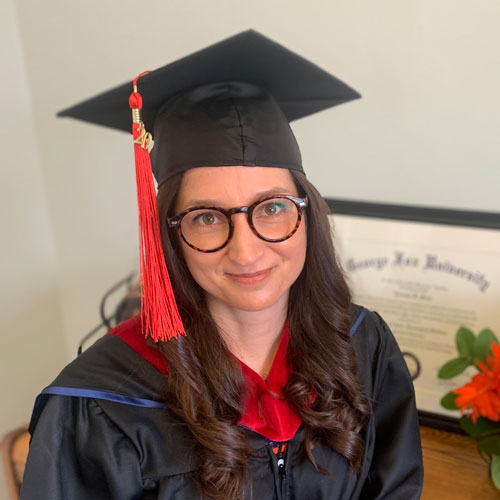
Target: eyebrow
(261, 194)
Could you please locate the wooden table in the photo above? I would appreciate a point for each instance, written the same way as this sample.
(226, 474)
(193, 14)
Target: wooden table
(453, 468)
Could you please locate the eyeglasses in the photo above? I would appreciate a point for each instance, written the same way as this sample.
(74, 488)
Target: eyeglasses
(208, 229)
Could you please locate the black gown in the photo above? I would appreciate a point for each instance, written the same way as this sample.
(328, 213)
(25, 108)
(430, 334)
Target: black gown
(101, 431)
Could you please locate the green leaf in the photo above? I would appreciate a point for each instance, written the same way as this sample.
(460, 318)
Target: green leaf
(490, 445)
(482, 344)
(489, 332)
(495, 470)
(465, 342)
(453, 368)
(482, 426)
(448, 401)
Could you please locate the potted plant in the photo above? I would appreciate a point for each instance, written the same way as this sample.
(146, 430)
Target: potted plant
(479, 399)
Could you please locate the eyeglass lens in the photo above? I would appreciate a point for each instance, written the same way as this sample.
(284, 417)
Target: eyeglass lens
(207, 229)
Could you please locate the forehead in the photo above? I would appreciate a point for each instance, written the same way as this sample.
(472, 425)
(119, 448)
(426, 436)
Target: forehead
(232, 186)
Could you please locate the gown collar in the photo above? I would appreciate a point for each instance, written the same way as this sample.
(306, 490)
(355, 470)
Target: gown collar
(266, 411)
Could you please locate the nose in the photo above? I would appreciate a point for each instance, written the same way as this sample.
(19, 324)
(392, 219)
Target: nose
(245, 246)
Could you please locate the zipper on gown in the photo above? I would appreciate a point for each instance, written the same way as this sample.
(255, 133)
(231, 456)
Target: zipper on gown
(279, 450)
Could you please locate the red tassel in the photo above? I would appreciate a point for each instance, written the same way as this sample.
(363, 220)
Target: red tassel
(159, 313)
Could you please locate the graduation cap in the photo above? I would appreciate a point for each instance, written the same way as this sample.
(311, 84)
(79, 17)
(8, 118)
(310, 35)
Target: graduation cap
(229, 104)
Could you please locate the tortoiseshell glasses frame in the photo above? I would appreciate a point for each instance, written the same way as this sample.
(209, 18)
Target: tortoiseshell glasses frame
(175, 222)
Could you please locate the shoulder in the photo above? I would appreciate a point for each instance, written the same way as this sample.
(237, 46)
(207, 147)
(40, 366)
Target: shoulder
(369, 331)
(119, 360)
(112, 397)
(120, 367)
(376, 348)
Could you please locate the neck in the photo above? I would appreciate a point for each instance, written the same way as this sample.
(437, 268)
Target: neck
(252, 336)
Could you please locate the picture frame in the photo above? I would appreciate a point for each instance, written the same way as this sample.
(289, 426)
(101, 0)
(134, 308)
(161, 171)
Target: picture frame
(427, 271)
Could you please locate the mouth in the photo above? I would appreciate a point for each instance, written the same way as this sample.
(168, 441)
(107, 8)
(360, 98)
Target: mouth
(250, 278)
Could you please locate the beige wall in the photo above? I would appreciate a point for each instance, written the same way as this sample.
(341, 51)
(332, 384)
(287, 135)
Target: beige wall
(425, 133)
(32, 343)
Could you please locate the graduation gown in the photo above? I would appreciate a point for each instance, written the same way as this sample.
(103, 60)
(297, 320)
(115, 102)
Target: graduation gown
(101, 430)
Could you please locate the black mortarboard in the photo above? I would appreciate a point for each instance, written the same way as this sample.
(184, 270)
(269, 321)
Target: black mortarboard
(227, 105)
(218, 106)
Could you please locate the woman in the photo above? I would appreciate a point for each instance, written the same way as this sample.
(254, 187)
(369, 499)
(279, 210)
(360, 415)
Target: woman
(281, 388)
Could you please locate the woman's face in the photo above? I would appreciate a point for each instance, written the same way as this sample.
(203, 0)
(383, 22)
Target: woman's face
(248, 274)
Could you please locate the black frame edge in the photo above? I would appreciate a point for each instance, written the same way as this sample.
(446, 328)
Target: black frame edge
(470, 218)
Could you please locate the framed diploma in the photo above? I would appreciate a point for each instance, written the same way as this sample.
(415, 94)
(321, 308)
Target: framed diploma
(427, 272)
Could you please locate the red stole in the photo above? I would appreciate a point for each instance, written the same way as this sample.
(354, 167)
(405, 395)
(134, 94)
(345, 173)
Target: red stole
(266, 410)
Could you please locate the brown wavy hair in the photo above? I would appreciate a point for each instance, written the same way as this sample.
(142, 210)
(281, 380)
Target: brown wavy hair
(205, 384)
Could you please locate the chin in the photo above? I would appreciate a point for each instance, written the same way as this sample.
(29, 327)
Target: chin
(253, 307)
(254, 304)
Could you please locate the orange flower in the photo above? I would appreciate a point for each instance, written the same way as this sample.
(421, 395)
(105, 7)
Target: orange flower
(481, 396)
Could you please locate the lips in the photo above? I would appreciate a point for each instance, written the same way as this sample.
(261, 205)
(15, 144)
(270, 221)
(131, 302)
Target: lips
(250, 278)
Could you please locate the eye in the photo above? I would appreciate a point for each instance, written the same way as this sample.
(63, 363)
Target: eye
(207, 218)
(271, 208)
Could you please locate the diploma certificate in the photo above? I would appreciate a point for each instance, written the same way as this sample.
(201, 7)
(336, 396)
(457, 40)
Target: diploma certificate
(426, 278)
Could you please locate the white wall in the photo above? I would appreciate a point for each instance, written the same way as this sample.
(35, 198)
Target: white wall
(32, 345)
(425, 132)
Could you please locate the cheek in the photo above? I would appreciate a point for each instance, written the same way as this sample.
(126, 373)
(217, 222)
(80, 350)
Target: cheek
(198, 263)
(302, 237)
(302, 252)
(297, 250)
